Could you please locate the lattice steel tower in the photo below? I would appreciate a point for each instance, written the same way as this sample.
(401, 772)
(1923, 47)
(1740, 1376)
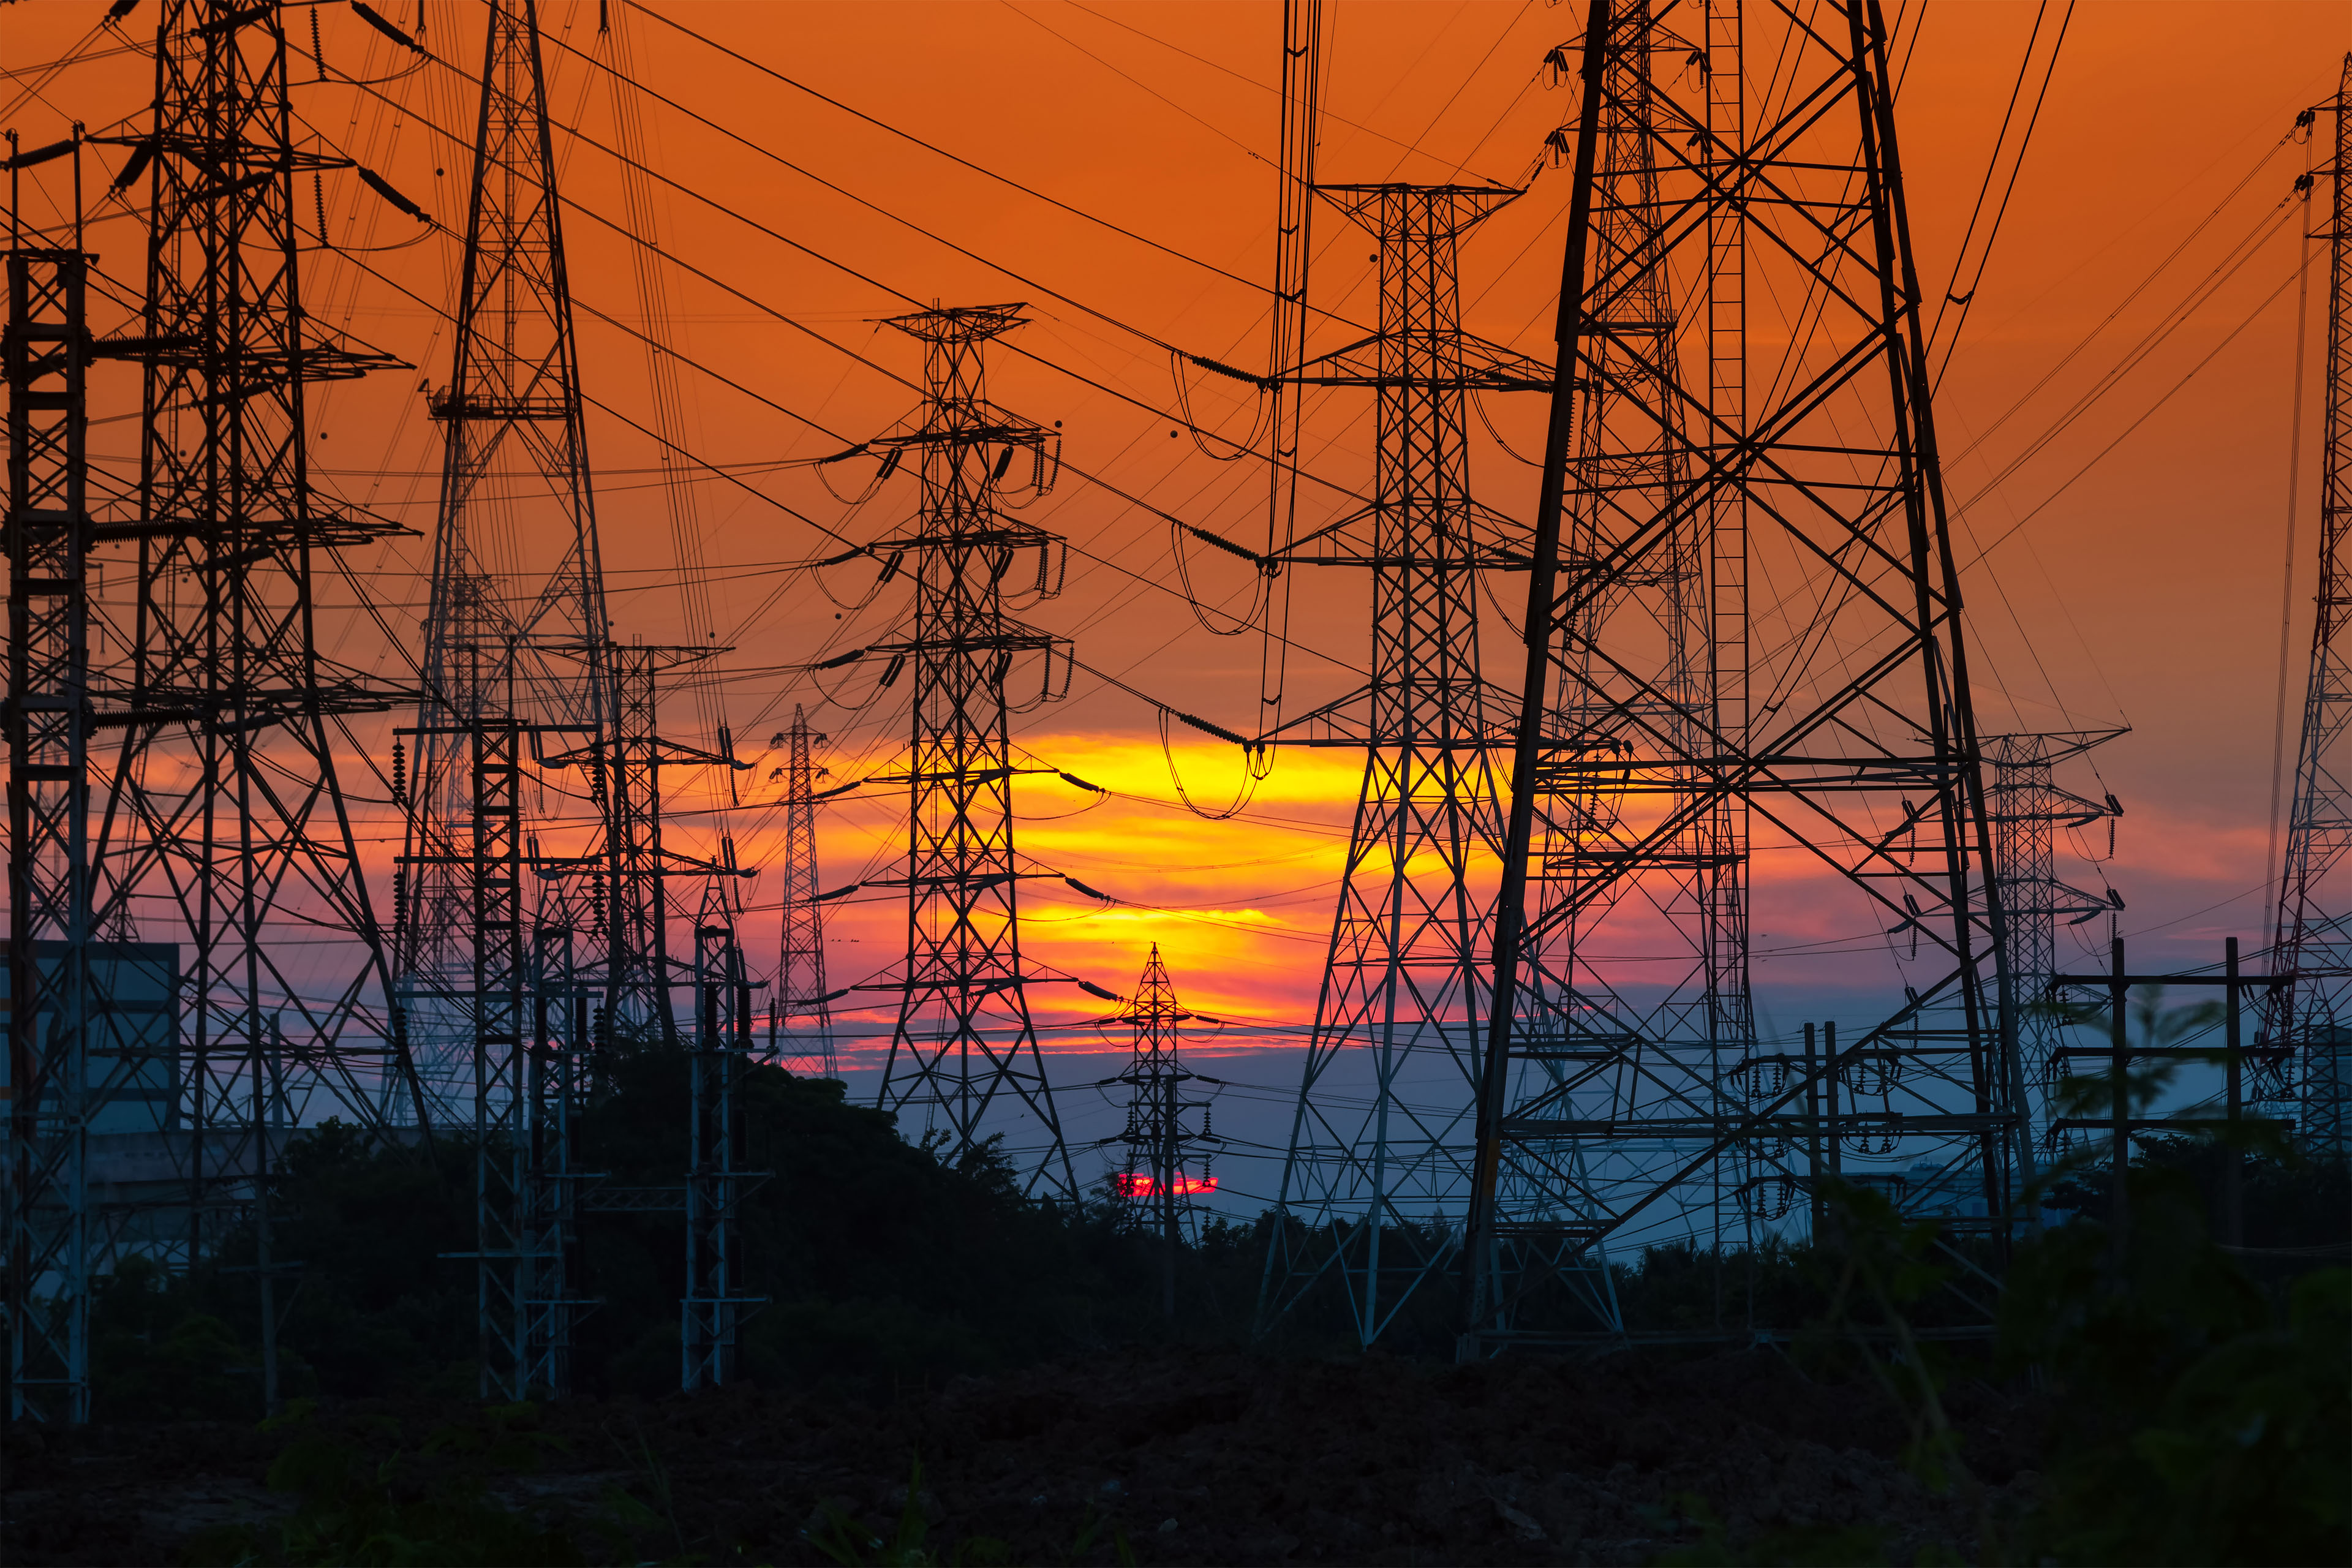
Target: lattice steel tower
(2029, 808)
(46, 351)
(517, 628)
(224, 816)
(964, 1036)
(1364, 1190)
(1694, 721)
(517, 667)
(1653, 662)
(225, 791)
(2311, 1021)
(801, 1013)
(1157, 1141)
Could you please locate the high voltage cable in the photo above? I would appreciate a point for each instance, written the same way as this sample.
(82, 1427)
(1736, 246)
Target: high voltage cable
(2188, 302)
(2100, 456)
(851, 353)
(976, 168)
(818, 256)
(1245, 81)
(1022, 279)
(778, 315)
(860, 548)
(2016, 167)
(2232, 263)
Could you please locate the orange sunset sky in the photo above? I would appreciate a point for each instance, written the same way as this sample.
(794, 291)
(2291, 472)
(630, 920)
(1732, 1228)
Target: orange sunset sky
(2142, 588)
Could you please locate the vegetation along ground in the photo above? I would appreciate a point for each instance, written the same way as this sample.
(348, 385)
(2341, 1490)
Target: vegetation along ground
(949, 1373)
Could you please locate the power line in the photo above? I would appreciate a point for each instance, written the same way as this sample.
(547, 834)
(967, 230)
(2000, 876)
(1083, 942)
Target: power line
(978, 169)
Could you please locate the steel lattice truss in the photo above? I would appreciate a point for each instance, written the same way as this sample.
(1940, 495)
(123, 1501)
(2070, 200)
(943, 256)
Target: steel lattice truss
(1156, 1138)
(1405, 980)
(507, 1256)
(505, 637)
(2311, 1021)
(47, 351)
(964, 1036)
(223, 810)
(800, 1003)
(1654, 653)
(713, 1309)
(2028, 809)
(1751, 614)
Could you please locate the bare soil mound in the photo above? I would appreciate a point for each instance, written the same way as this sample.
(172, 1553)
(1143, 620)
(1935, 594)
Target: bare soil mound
(1153, 1455)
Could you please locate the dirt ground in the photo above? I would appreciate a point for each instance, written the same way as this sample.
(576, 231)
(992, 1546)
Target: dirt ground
(1170, 1456)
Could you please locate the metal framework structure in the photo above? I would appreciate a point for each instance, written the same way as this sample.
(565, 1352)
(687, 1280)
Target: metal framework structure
(624, 765)
(800, 1008)
(2028, 810)
(964, 1038)
(2309, 1023)
(1657, 652)
(224, 805)
(1364, 1190)
(508, 1255)
(559, 1052)
(1833, 720)
(504, 641)
(714, 1308)
(221, 802)
(488, 904)
(1152, 1174)
(47, 356)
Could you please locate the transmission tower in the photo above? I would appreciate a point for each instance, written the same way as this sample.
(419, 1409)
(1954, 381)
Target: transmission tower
(1651, 662)
(1694, 722)
(2028, 811)
(516, 665)
(800, 1003)
(2309, 1023)
(47, 353)
(222, 812)
(714, 1308)
(1649, 658)
(1152, 1175)
(964, 1036)
(1363, 1188)
(516, 630)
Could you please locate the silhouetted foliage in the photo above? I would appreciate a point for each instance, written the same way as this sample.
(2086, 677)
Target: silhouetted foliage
(883, 1267)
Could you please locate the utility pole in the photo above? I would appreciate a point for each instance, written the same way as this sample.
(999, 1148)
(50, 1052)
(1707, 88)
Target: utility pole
(801, 1006)
(1405, 978)
(1638, 782)
(964, 1036)
(2303, 1045)
(1153, 1176)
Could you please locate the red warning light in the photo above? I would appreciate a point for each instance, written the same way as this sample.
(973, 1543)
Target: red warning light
(1134, 1186)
